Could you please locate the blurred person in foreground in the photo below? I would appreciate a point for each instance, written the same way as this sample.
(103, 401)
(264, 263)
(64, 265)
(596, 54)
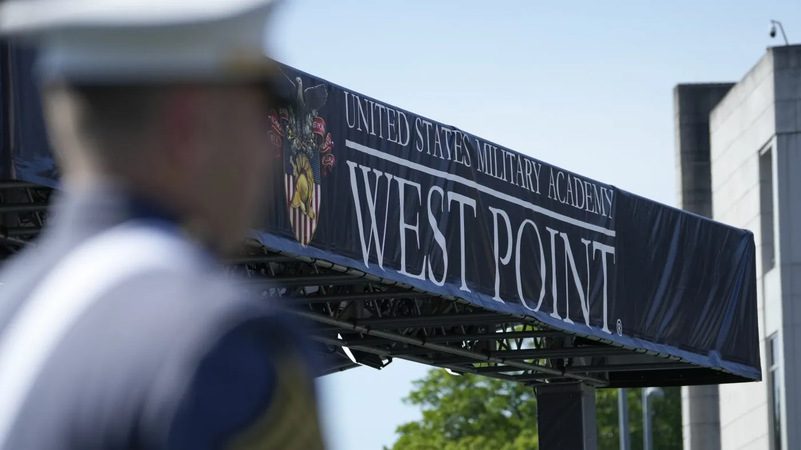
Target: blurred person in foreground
(119, 329)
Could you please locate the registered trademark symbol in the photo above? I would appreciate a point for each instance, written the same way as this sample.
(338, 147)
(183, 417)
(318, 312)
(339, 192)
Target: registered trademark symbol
(619, 327)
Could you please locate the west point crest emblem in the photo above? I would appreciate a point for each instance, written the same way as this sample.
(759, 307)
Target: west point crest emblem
(306, 149)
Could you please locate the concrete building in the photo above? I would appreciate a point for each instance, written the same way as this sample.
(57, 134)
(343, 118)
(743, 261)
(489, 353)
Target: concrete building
(738, 149)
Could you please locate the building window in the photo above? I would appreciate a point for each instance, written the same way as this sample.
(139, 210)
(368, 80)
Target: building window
(776, 391)
(766, 209)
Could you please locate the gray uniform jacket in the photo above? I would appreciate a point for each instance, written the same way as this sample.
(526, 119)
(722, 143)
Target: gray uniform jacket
(162, 359)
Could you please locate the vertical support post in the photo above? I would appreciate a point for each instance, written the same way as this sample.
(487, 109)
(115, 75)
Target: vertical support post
(646, 422)
(566, 417)
(623, 416)
(647, 393)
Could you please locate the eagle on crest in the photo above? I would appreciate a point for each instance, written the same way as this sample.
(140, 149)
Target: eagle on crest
(303, 121)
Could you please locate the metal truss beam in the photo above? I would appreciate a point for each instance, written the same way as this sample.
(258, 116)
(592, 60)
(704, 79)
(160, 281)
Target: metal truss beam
(465, 354)
(8, 208)
(433, 321)
(630, 367)
(308, 280)
(359, 297)
(498, 336)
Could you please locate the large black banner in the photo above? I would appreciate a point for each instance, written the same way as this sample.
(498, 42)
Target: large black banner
(372, 187)
(380, 189)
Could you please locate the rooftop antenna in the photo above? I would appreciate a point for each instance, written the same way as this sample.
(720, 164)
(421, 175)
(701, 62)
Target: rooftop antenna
(773, 24)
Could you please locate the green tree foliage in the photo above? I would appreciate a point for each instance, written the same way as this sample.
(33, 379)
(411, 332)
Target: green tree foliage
(470, 412)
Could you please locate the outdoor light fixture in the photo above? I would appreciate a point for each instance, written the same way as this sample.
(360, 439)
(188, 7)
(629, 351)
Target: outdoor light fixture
(363, 358)
(347, 351)
(773, 24)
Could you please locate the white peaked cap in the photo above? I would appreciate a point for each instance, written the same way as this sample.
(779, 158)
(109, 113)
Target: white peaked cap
(143, 40)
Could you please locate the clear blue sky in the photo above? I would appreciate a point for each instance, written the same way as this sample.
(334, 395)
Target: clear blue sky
(585, 85)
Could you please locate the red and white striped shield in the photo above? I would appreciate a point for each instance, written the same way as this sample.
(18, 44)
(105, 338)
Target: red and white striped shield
(303, 226)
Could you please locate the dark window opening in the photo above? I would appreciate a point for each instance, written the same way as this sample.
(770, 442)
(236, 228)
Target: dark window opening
(766, 209)
(776, 391)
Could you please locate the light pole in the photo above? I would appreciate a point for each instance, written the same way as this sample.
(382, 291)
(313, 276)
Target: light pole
(623, 416)
(646, 414)
(773, 24)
